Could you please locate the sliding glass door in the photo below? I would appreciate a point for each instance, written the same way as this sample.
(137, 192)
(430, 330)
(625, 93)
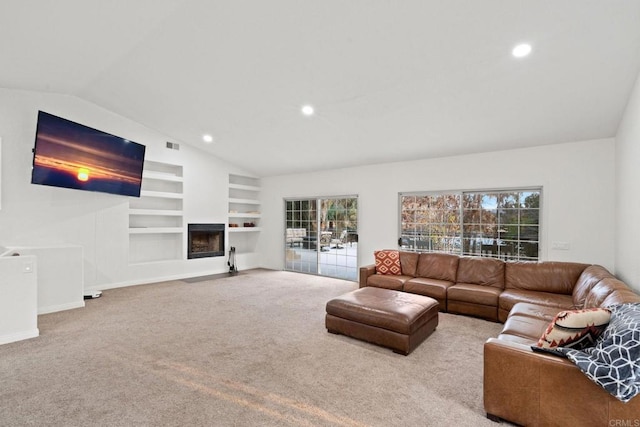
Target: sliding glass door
(301, 235)
(321, 236)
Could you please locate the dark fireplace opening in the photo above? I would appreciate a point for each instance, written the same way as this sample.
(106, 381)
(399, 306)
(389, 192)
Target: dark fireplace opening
(205, 240)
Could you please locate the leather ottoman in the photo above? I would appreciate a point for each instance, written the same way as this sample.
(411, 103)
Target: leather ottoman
(393, 319)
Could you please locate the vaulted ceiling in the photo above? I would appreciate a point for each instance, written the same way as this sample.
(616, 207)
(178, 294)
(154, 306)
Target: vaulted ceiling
(389, 80)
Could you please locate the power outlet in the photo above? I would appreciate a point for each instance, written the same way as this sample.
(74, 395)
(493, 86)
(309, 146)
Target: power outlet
(27, 267)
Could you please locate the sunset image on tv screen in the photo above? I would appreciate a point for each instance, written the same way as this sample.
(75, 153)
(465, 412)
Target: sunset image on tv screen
(71, 155)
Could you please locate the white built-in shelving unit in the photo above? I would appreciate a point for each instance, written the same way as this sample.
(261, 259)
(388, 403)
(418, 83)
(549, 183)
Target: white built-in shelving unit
(156, 229)
(244, 204)
(244, 207)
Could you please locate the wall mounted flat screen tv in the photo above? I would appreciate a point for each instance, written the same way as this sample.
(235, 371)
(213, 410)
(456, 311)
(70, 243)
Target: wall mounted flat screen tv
(71, 155)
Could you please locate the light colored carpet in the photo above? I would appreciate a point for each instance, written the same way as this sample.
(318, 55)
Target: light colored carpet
(248, 350)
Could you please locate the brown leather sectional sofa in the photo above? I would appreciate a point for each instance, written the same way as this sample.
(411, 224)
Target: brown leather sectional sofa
(520, 385)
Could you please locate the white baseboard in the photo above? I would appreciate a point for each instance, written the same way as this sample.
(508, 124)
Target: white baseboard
(154, 280)
(60, 307)
(19, 336)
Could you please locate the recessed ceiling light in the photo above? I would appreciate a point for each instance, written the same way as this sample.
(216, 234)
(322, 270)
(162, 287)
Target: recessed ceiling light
(207, 138)
(521, 50)
(307, 110)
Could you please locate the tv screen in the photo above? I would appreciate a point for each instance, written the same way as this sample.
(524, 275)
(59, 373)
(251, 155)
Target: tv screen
(71, 155)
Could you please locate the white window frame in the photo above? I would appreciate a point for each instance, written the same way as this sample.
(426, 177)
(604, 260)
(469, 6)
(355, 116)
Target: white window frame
(429, 226)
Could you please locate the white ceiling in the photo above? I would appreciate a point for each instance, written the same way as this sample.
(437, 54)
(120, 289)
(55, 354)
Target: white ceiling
(390, 80)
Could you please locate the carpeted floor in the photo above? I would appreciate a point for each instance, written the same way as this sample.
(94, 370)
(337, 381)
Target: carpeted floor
(248, 350)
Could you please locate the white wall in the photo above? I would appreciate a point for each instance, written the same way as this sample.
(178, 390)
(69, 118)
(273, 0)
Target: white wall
(628, 192)
(33, 215)
(19, 298)
(60, 276)
(578, 196)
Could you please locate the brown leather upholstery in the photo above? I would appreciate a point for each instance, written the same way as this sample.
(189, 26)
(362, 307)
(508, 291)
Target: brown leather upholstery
(535, 389)
(620, 296)
(474, 300)
(479, 284)
(435, 272)
(510, 297)
(388, 281)
(481, 271)
(530, 388)
(529, 321)
(535, 311)
(477, 294)
(365, 273)
(434, 288)
(587, 280)
(409, 263)
(438, 266)
(398, 320)
(469, 285)
(602, 290)
(549, 276)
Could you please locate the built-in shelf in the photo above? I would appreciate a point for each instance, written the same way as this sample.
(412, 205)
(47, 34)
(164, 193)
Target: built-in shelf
(244, 187)
(161, 176)
(244, 229)
(159, 212)
(244, 201)
(244, 215)
(160, 194)
(244, 208)
(156, 230)
(156, 217)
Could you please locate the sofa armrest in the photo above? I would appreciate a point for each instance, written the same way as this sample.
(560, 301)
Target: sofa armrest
(365, 272)
(531, 388)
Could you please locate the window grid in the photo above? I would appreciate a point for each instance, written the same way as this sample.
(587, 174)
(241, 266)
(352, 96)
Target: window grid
(502, 224)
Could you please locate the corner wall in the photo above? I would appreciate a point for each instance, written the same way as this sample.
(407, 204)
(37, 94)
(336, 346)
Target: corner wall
(34, 215)
(578, 196)
(628, 192)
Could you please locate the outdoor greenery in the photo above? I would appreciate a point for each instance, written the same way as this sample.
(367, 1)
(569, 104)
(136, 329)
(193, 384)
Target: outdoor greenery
(335, 214)
(502, 224)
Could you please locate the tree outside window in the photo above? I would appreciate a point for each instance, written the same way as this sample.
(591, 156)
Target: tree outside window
(501, 224)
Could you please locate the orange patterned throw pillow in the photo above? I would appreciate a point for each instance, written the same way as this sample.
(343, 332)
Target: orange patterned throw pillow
(576, 329)
(388, 262)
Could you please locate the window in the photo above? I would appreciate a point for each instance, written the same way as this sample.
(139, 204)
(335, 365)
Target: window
(501, 223)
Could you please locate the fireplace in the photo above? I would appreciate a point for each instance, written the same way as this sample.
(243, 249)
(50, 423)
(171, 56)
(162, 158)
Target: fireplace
(205, 240)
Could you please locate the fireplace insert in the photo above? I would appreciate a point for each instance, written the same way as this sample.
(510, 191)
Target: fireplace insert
(205, 240)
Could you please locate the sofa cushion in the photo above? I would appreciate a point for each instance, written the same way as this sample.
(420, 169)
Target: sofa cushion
(409, 262)
(387, 281)
(437, 266)
(510, 297)
(434, 288)
(550, 276)
(575, 328)
(536, 311)
(527, 329)
(477, 294)
(481, 271)
(590, 277)
(388, 262)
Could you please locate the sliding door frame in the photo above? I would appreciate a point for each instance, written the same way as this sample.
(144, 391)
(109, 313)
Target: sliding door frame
(333, 238)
